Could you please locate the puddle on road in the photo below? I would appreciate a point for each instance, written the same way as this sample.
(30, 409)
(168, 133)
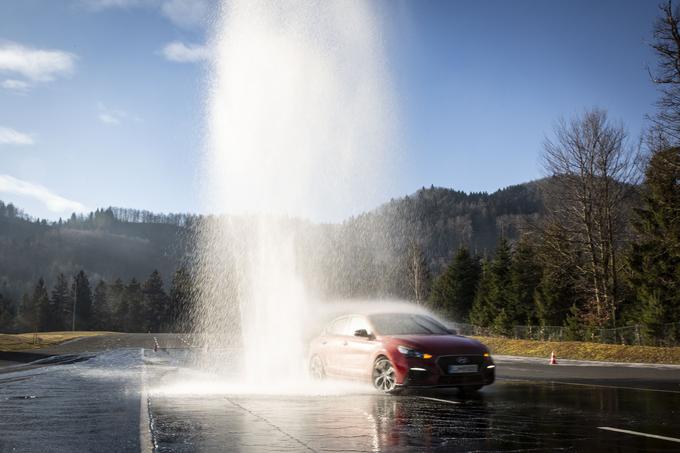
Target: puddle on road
(73, 407)
(196, 411)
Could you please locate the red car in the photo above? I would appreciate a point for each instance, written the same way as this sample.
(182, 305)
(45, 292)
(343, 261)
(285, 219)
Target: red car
(398, 350)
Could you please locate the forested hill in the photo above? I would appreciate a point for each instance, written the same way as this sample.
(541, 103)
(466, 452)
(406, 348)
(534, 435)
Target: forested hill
(104, 246)
(121, 243)
(441, 220)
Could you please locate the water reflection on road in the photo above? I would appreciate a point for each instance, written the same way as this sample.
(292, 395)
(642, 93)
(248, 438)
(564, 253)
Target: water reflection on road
(94, 405)
(340, 417)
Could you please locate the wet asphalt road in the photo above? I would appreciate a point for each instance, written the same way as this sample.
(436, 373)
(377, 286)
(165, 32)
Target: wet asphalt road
(112, 395)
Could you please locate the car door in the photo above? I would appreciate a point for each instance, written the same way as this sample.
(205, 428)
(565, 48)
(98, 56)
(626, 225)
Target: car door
(359, 350)
(334, 346)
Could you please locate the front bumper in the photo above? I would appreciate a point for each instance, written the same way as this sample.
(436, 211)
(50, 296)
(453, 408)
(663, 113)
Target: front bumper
(433, 372)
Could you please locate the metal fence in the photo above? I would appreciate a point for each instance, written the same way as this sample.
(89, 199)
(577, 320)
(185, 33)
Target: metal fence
(642, 335)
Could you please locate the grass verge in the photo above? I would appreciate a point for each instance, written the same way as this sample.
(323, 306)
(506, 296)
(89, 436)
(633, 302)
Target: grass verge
(24, 341)
(582, 351)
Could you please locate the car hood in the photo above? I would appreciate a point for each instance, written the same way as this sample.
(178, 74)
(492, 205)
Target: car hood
(440, 344)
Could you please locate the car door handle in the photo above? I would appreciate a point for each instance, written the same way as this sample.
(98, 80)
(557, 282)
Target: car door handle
(344, 343)
(324, 342)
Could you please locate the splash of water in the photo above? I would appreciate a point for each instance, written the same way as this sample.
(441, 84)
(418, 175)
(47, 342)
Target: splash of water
(299, 112)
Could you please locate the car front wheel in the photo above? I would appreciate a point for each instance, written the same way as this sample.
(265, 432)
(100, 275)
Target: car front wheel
(316, 370)
(384, 377)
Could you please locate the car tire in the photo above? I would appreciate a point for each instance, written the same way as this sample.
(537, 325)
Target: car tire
(316, 369)
(384, 377)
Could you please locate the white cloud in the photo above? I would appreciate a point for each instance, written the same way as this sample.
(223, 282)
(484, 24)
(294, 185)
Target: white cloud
(108, 118)
(182, 53)
(183, 13)
(19, 86)
(105, 4)
(10, 136)
(52, 201)
(37, 65)
(186, 13)
(114, 116)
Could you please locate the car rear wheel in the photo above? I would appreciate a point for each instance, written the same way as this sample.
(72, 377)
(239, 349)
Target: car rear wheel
(316, 370)
(384, 377)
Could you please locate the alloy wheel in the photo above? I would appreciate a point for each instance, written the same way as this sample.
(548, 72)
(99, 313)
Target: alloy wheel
(316, 370)
(384, 376)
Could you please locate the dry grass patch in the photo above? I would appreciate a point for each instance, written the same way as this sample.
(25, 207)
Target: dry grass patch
(22, 341)
(582, 351)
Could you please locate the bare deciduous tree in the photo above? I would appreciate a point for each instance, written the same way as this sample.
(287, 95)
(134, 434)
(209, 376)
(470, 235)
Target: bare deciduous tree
(418, 274)
(593, 174)
(666, 45)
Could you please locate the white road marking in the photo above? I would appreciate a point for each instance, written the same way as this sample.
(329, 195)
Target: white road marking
(636, 433)
(146, 444)
(437, 399)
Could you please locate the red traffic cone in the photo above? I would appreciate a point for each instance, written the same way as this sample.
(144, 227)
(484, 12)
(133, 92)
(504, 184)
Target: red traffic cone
(553, 358)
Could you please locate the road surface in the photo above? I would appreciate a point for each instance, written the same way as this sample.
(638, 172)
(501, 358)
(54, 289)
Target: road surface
(114, 393)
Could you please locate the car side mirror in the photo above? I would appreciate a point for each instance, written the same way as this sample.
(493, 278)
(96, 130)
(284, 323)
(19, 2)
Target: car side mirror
(453, 331)
(362, 333)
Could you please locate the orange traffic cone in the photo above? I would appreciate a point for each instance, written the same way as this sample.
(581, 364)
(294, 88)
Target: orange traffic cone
(553, 358)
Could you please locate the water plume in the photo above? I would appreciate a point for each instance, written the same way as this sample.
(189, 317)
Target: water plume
(299, 112)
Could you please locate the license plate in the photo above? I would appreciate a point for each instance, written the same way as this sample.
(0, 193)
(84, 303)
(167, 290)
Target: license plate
(462, 369)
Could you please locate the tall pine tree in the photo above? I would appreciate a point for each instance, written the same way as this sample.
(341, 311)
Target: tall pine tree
(494, 300)
(655, 255)
(155, 303)
(135, 313)
(119, 306)
(101, 311)
(525, 275)
(453, 292)
(181, 300)
(82, 293)
(40, 306)
(60, 304)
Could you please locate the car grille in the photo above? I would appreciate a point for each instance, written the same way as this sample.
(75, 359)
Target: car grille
(453, 380)
(444, 361)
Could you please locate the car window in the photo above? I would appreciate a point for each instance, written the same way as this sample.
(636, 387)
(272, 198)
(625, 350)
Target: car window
(407, 324)
(338, 326)
(357, 323)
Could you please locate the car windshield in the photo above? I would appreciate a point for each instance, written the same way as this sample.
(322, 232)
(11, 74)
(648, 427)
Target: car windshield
(406, 324)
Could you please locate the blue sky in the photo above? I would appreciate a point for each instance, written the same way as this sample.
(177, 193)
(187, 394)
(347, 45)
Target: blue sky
(102, 101)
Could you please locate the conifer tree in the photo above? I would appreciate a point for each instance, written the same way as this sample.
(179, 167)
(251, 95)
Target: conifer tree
(483, 312)
(7, 314)
(135, 312)
(181, 297)
(26, 314)
(101, 310)
(119, 306)
(40, 306)
(155, 303)
(82, 294)
(60, 304)
(494, 296)
(655, 255)
(555, 295)
(525, 275)
(454, 290)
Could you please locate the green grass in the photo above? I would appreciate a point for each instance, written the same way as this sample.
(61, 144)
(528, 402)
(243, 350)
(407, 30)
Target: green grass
(23, 341)
(582, 351)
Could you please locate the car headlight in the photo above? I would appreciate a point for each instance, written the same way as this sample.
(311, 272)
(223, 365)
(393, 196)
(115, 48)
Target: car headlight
(408, 352)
